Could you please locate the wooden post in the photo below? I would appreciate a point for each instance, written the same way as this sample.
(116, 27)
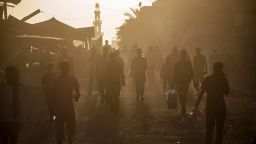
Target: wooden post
(5, 10)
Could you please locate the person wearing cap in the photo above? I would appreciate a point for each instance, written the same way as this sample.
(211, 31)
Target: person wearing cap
(216, 86)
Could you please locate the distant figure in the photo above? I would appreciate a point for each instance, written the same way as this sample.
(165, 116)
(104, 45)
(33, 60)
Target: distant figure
(138, 71)
(120, 59)
(63, 88)
(114, 80)
(13, 110)
(65, 57)
(92, 68)
(151, 62)
(183, 74)
(200, 67)
(132, 54)
(106, 45)
(101, 70)
(47, 87)
(171, 59)
(164, 78)
(214, 57)
(216, 86)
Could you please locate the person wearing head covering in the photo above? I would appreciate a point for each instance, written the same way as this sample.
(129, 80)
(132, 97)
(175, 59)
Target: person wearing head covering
(216, 86)
(114, 81)
(63, 94)
(13, 106)
(138, 72)
(183, 75)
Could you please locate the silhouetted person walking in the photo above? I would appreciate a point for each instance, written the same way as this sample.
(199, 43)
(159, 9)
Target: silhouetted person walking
(138, 71)
(92, 68)
(183, 74)
(200, 67)
(64, 87)
(120, 59)
(151, 62)
(101, 70)
(171, 59)
(13, 110)
(216, 86)
(47, 87)
(114, 81)
(164, 78)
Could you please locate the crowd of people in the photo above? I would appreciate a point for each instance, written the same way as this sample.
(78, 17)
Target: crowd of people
(61, 88)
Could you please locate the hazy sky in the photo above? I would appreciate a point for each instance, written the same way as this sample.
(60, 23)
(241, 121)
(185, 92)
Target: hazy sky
(79, 13)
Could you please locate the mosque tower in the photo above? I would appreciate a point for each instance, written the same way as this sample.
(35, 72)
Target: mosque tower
(97, 21)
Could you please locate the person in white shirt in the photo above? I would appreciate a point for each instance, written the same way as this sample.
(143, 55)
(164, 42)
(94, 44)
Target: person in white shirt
(13, 111)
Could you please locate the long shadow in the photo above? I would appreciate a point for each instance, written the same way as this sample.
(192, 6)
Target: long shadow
(102, 126)
(142, 116)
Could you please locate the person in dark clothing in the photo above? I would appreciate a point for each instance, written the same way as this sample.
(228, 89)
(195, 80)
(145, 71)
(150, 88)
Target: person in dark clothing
(13, 110)
(164, 77)
(200, 67)
(92, 69)
(107, 45)
(114, 81)
(101, 70)
(183, 74)
(171, 59)
(216, 86)
(47, 88)
(120, 59)
(63, 88)
(138, 71)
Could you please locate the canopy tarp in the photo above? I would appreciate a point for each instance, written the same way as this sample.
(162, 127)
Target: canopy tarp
(85, 32)
(55, 28)
(12, 26)
(50, 28)
(11, 1)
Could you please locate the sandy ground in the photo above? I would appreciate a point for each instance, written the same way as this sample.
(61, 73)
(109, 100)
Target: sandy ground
(141, 122)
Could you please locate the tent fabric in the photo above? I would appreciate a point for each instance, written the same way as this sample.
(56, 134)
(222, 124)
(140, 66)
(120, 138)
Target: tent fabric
(13, 1)
(49, 28)
(13, 26)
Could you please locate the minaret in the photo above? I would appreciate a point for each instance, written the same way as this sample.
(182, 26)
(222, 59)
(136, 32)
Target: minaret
(97, 21)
